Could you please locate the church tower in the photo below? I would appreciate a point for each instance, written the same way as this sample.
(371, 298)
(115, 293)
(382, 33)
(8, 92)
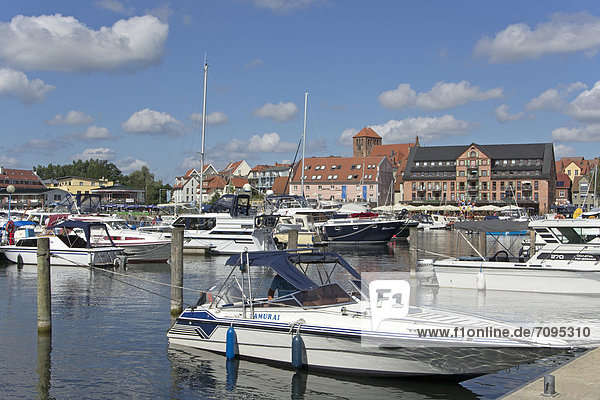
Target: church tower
(364, 141)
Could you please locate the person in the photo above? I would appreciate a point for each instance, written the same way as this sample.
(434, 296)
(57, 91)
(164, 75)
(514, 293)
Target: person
(282, 287)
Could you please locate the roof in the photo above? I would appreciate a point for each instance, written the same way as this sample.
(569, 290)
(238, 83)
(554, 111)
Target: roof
(565, 181)
(215, 182)
(396, 153)
(238, 182)
(279, 185)
(367, 132)
(351, 170)
(21, 178)
(232, 166)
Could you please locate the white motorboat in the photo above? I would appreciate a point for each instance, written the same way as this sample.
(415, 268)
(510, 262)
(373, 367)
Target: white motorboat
(138, 246)
(566, 260)
(66, 248)
(367, 329)
(228, 228)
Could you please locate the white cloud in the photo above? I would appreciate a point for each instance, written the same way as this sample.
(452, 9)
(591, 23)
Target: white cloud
(267, 143)
(442, 96)
(286, 6)
(554, 99)
(16, 84)
(213, 118)
(564, 33)
(428, 129)
(10, 162)
(99, 153)
(253, 64)
(561, 150)
(115, 6)
(57, 43)
(588, 133)
(281, 112)
(502, 114)
(151, 122)
(96, 133)
(586, 106)
(345, 138)
(72, 118)
(130, 164)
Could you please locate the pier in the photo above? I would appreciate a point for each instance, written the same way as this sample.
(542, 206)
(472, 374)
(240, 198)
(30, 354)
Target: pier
(577, 379)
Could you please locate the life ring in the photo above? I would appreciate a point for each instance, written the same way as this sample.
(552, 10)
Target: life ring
(10, 227)
(559, 216)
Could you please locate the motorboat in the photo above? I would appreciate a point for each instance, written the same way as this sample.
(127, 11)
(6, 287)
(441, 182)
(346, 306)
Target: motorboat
(229, 227)
(432, 221)
(365, 228)
(328, 318)
(565, 259)
(66, 248)
(139, 246)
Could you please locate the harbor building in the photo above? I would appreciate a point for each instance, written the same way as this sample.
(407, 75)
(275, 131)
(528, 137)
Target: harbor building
(522, 174)
(28, 188)
(79, 185)
(345, 179)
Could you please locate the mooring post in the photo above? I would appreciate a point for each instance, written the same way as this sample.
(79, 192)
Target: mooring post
(292, 239)
(531, 243)
(177, 270)
(44, 320)
(483, 243)
(413, 241)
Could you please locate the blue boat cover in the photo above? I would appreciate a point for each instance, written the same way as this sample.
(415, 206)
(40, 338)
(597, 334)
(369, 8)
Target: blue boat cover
(284, 263)
(85, 226)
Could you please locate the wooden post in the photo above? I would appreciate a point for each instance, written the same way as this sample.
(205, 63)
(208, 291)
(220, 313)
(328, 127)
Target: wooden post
(531, 242)
(483, 243)
(177, 270)
(292, 239)
(44, 319)
(413, 240)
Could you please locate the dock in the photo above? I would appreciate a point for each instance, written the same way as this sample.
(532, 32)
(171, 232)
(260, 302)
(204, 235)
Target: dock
(578, 379)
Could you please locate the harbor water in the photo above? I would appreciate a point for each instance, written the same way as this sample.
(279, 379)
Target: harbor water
(109, 335)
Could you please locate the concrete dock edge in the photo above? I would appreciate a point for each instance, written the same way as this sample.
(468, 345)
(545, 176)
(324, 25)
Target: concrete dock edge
(577, 379)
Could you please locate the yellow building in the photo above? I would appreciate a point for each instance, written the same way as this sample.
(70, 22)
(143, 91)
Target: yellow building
(77, 185)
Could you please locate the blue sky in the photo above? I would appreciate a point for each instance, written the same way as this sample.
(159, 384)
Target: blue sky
(122, 80)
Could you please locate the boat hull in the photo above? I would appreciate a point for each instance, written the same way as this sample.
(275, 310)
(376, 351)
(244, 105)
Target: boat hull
(82, 257)
(364, 232)
(512, 277)
(342, 350)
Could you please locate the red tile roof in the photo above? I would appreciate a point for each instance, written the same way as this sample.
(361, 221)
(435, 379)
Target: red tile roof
(279, 185)
(396, 153)
(19, 178)
(338, 170)
(238, 183)
(367, 132)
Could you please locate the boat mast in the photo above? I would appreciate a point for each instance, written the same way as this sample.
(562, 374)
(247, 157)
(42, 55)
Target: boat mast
(303, 143)
(203, 133)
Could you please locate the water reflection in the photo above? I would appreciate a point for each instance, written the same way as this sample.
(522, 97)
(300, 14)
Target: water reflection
(194, 369)
(44, 347)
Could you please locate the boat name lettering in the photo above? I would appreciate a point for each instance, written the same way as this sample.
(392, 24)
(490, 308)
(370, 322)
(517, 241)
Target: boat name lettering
(570, 257)
(270, 317)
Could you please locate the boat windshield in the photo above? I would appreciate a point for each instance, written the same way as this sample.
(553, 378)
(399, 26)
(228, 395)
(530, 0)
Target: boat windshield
(196, 223)
(574, 235)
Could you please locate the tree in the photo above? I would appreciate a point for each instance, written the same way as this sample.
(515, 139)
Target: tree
(91, 169)
(143, 179)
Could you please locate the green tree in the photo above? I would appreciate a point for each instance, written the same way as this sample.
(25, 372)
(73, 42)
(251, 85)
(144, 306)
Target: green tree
(143, 179)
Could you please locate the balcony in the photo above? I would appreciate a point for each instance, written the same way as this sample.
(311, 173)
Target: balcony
(472, 177)
(472, 188)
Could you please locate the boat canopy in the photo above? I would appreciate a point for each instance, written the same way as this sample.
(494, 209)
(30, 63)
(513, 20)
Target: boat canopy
(284, 263)
(85, 226)
(492, 225)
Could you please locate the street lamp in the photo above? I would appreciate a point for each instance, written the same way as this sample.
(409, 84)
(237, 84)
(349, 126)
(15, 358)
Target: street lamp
(10, 189)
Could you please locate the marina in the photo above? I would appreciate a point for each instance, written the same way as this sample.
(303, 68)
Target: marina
(109, 335)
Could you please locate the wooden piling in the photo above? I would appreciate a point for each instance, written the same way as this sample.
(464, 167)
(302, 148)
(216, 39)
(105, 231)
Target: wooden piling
(292, 239)
(413, 240)
(531, 242)
(44, 319)
(177, 270)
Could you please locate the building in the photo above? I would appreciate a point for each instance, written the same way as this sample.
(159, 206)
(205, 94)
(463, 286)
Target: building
(186, 187)
(364, 141)
(28, 186)
(563, 190)
(575, 166)
(344, 179)
(486, 174)
(267, 176)
(120, 195)
(239, 169)
(583, 193)
(78, 185)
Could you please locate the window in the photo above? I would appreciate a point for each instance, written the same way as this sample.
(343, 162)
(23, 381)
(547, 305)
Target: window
(313, 177)
(322, 167)
(329, 177)
(319, 177)
(333, 167)
(332, 187)
(461, 162)
(576, 172)
(536, 185)
(350, 176)
(335, 177)
(317, 167)
(320, 187)
(358, 166)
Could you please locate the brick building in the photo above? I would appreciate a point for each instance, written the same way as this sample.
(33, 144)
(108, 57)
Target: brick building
(485, 174)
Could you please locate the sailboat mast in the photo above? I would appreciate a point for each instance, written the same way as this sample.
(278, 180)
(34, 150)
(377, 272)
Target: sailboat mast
(203, 135)
(303, 143)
